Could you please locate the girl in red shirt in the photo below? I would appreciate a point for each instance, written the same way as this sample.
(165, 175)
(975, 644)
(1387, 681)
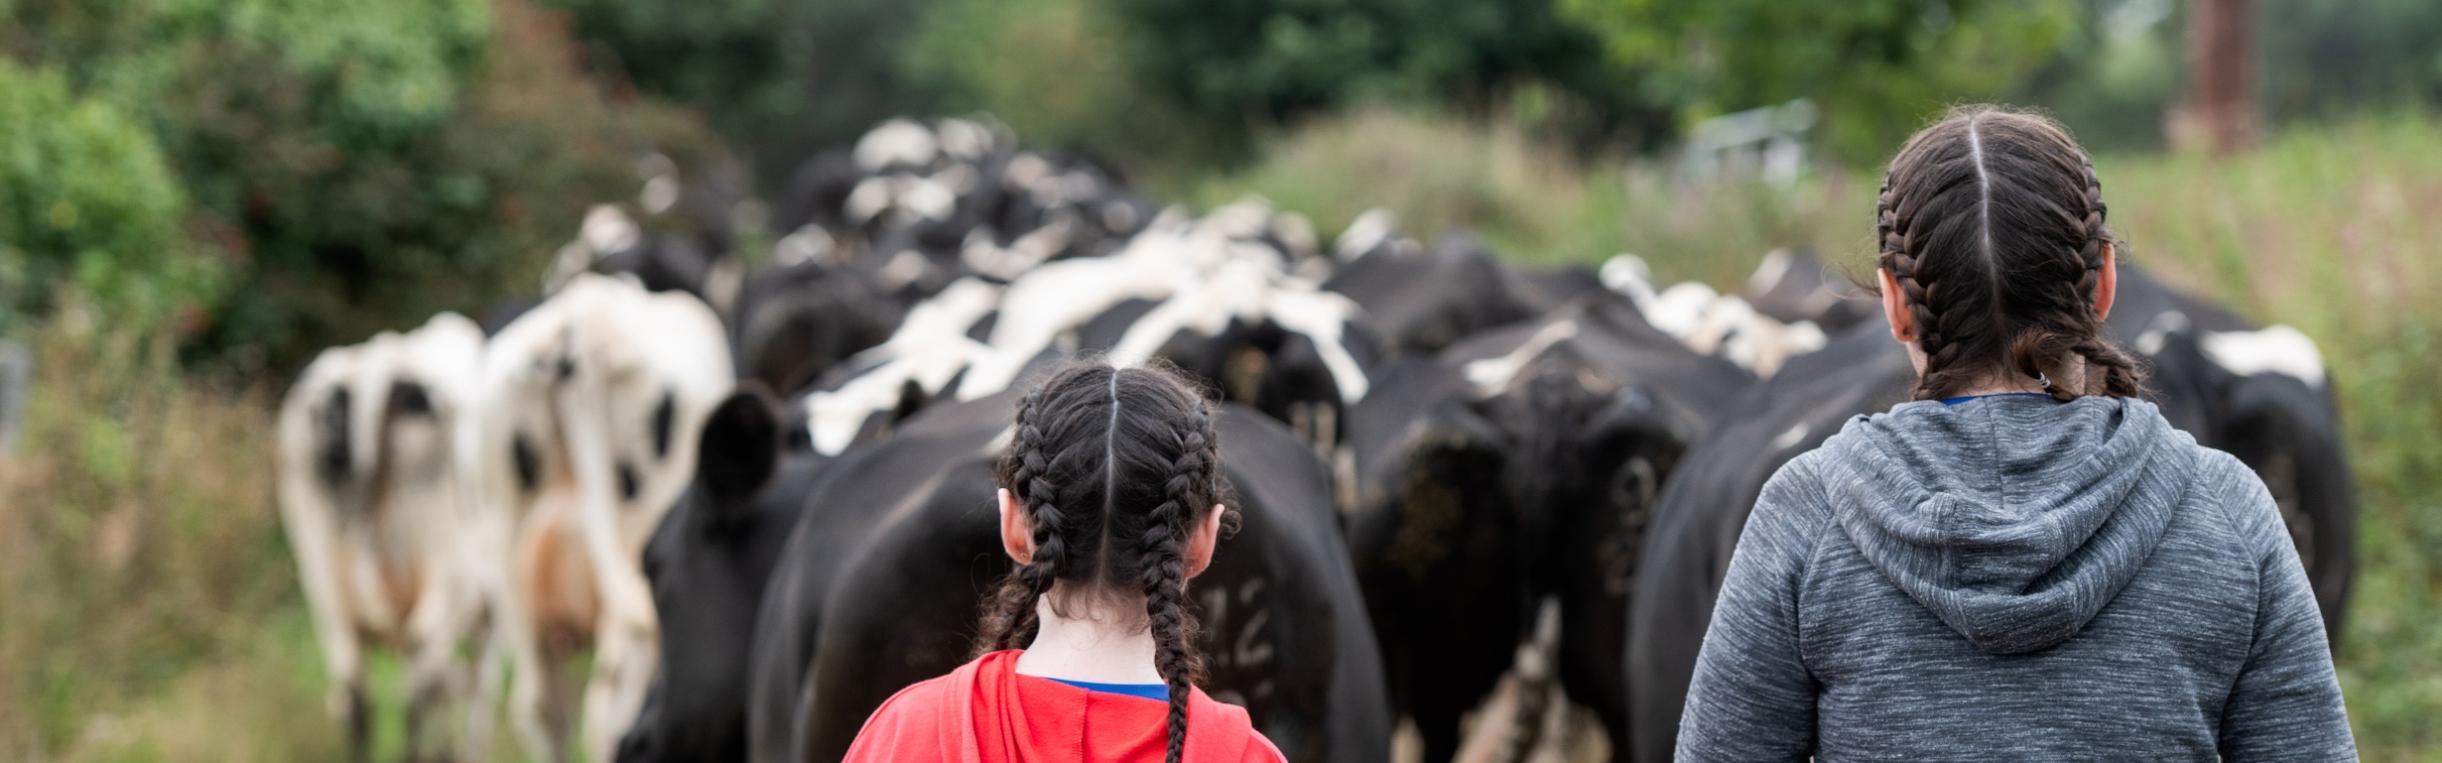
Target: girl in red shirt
(1111, 498)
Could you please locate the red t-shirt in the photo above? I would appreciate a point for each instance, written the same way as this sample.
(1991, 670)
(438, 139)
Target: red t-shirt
(986, 712)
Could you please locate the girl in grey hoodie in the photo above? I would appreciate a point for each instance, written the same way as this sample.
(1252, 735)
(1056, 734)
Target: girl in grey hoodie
(2026, 562)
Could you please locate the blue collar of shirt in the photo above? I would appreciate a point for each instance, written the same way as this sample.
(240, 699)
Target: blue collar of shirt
(1973, 398)
(1148, 691)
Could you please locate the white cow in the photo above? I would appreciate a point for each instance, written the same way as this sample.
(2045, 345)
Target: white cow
(593, 402)
(369, 498)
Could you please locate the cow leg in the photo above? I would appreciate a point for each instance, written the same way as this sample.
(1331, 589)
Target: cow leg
(622, 672)
(491, 662)
(530, 676)
(309, 519)
(359, 720)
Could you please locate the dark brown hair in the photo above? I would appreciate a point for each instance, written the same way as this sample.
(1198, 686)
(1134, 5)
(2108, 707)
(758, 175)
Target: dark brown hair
(1991, 222)
(1114, 468)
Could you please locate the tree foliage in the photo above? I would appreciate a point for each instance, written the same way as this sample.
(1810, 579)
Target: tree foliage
(86, 201)
(354, 164)
(1872, 67)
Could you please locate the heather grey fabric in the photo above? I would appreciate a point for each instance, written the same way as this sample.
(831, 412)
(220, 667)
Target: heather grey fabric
(2015, 578)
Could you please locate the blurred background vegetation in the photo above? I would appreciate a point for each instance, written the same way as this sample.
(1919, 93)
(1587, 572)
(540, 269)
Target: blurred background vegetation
(196, 195)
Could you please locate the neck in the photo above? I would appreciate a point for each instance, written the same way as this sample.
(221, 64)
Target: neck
(1097, 645)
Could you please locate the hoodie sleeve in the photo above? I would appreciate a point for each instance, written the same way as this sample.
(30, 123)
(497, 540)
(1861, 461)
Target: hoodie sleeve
(2286, 703)
(1752, 697)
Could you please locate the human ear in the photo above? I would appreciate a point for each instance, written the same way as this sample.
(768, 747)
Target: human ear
(1016, 538)
(2107, 287)
(1202, 539)
(1895, 308)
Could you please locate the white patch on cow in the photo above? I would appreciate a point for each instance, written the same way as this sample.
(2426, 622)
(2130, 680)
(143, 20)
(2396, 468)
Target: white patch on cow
(2158, 331)
(868, 200)
(1025, 170)
(1790, 438)
(607, 230)
(1365, 233)
(2277, 349)
(929, 347)
(896, 142)
(1010, 262)
(1057, 297)
(833, 417)
(905, 266)
(930, 199)
(1491, 374)
(1769, 273)
(1629, 275)
(808, 244)
(966, 139)
(1296, 233)
(659, 194)
(1323, 317)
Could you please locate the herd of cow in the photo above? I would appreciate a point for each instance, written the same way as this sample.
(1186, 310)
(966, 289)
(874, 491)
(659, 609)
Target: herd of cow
(680, 509)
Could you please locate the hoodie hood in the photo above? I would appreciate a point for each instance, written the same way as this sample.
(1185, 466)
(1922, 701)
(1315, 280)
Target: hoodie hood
(2014, 519)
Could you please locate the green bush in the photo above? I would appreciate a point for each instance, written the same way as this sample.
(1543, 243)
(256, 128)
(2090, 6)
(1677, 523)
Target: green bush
(778, 78)
(86, 201)
(360, 164)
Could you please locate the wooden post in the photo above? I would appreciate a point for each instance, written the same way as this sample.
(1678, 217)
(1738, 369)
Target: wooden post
(2218, 113)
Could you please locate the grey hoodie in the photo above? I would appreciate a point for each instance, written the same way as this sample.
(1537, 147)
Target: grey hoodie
(2015, 578)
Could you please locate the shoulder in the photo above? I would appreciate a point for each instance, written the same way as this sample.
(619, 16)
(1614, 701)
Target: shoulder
(2239, 498)
(1221, 731)
(917, 703)
(1795, 498)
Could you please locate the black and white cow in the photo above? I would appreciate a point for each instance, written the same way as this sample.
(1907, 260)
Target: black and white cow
(893, 546)
(2264, 395)
(1793, 285)
(590, 403)
(1212, 295)
(2259, 394)
(1710, 322)
(1512, 471)
(1423, 300)
(372, 505)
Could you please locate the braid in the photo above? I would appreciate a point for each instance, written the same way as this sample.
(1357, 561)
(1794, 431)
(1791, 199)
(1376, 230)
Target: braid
(1165, 569)
(1895, 226)
(1009, 619)
(2017, 190)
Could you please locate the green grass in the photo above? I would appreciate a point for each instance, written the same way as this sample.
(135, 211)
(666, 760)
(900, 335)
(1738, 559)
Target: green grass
(149, 608)
(2335, 230)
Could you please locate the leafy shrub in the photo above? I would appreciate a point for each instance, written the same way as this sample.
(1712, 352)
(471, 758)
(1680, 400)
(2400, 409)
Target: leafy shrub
(87, 202)
(361, 164)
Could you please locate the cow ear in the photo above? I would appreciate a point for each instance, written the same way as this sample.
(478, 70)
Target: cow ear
(741, 443)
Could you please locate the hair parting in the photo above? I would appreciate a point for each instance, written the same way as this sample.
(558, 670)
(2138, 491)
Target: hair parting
(2026, 306)
(1154, 460)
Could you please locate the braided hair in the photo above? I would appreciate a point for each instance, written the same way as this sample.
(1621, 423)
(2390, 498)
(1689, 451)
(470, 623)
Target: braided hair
(1114, 469)
(1991, 224)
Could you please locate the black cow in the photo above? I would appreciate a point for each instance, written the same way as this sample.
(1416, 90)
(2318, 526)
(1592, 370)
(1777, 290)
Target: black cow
(893, 545)
(794, 320)
(1515, 469)
(1704, 505)
(708, 562)
(1422, 301)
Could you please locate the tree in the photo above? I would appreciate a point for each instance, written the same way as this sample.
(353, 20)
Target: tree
(1875, 68)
